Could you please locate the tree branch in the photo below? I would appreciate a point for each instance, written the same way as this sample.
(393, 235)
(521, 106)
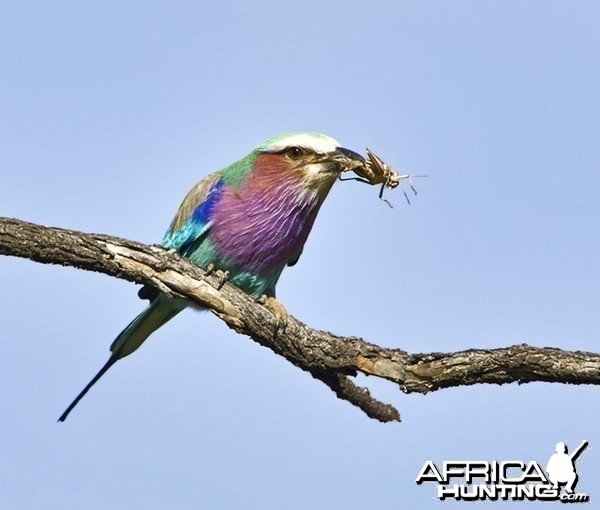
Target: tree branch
(327, 357)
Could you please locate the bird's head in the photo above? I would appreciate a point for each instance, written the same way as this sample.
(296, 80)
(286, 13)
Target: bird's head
(312, 158)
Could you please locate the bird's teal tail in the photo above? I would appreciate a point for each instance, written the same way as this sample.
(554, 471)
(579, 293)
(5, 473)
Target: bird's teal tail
(157, 313)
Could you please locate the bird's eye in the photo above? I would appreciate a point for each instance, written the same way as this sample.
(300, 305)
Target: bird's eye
(294, 153)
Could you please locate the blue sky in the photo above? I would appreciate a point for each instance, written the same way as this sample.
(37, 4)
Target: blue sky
(111, 111)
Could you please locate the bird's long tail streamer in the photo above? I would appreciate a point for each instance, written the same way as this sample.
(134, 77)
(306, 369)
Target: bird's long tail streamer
(157, 313)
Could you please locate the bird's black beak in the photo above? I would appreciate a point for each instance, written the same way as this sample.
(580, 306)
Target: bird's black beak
(346, 160)
(350, 157)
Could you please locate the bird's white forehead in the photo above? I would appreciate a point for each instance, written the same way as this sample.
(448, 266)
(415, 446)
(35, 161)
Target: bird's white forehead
(313, 141)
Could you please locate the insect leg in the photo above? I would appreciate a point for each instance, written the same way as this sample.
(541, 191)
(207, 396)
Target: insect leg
(359, 179)
(384, 199)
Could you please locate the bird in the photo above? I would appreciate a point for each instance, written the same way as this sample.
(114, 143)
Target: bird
(248, 220)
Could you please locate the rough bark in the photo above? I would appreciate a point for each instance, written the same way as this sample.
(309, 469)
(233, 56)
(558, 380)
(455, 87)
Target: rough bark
(329, 358)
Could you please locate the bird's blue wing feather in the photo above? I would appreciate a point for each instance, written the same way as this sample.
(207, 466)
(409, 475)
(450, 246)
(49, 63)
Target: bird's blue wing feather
(193, 220)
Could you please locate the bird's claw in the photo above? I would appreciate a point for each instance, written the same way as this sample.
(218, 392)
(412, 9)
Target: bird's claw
(222, 276)
(278, 310)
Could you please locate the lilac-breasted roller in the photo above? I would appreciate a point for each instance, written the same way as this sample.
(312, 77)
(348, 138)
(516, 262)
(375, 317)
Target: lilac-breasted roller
(250, 219)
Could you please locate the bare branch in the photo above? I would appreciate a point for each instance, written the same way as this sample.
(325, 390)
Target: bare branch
(327, 357)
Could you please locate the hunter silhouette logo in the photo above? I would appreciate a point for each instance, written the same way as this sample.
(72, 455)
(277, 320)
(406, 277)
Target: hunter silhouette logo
(561, 466)
(509, 479)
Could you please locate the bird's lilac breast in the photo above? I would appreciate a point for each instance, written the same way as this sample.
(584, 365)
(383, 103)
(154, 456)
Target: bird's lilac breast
(261, 230)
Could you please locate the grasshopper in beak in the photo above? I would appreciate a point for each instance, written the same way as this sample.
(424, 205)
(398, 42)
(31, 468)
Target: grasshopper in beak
(374, 171)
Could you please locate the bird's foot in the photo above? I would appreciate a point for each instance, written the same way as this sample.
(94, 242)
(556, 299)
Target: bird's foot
(223, 276)
(278, 310)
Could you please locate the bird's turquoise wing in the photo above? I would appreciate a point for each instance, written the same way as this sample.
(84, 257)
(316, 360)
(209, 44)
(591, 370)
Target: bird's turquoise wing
(192, 221)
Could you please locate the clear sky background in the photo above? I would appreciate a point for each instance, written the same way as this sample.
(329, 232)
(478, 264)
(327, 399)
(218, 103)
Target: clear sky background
(110, 111)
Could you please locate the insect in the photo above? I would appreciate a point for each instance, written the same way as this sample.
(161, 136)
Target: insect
(375, 171)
